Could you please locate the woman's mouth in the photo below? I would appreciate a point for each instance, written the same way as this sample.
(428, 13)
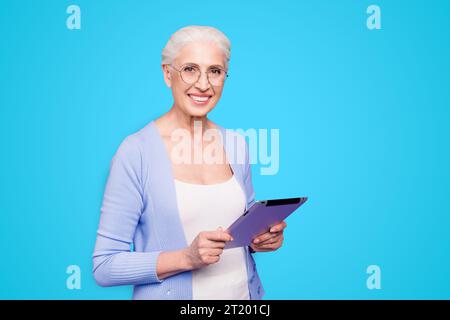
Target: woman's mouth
(199, 100)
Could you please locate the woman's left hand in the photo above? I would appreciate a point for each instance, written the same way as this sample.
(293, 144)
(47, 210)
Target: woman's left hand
(271, 240)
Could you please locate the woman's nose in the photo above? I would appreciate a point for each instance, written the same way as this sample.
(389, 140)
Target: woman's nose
(203, 82)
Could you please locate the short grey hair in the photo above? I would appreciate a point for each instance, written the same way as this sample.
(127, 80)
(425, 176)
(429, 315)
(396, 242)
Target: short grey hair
(190, 34)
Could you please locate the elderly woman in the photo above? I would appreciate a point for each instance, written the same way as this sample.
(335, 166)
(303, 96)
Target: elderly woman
(171, 211)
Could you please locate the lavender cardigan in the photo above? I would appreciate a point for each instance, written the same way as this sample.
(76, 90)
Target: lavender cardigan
(139, 207)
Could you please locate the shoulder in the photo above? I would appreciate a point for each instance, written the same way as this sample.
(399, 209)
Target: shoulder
(131, 147)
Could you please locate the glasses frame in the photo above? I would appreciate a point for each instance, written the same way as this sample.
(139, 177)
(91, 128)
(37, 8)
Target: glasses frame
(200, 75)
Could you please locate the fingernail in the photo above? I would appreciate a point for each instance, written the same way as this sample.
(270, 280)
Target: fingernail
(256, 240)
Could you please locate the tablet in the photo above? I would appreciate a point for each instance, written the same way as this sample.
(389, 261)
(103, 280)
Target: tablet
(259, 218)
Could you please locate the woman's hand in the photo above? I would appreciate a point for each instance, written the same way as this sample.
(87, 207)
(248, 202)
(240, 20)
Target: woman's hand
(206, 248)
(271, 240)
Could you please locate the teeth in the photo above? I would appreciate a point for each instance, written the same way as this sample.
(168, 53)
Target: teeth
(199, 99)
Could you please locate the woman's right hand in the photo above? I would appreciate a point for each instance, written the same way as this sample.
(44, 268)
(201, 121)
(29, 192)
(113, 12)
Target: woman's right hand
(206, 248)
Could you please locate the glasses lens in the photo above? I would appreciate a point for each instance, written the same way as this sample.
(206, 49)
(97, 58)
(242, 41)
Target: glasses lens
(190, 74)
(216, 76)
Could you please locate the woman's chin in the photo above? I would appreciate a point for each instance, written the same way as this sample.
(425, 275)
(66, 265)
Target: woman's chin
(199, 111)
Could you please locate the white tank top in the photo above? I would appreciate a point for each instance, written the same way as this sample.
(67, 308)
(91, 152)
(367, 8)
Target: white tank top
(205, 208)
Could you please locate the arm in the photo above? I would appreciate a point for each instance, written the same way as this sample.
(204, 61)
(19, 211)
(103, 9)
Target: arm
(171, 263)
(114, 263)
(204, 250)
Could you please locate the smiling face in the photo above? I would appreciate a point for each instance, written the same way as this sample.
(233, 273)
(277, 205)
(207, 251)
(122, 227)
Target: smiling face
(199, 98)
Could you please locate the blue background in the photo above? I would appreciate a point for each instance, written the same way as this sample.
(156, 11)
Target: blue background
(364, 126)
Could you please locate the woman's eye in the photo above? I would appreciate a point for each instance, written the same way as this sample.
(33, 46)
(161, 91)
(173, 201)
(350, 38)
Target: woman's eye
(189, 69)
(216, 71)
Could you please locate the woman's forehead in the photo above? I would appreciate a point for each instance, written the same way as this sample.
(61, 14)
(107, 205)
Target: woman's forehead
(202, 54)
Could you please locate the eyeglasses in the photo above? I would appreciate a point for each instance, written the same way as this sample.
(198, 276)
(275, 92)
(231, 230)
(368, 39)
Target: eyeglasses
(191, 73)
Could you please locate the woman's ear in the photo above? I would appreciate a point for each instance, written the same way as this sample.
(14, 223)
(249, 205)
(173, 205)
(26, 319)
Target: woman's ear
(167, 75)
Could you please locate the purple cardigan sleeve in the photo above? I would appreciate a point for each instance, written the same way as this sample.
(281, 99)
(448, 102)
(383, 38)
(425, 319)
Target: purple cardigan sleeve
(114, 263)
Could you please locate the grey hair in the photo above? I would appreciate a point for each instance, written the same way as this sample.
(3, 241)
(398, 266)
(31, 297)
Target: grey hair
(190, 34)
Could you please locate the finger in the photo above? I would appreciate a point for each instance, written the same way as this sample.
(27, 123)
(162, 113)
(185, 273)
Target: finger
(258, 249)
(278, 227)
(211, 259)
(214, 252)
(271, 240)
(225, 231)
(273, 245)
(210, 251)
(264, 237)
(262, 233)
(213, 244)
(228, 232)
(218, 236)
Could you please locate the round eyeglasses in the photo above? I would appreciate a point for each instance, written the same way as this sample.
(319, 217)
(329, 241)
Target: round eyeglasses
(191, 73)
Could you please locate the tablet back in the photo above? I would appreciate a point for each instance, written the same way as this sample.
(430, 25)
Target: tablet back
(259, 218)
